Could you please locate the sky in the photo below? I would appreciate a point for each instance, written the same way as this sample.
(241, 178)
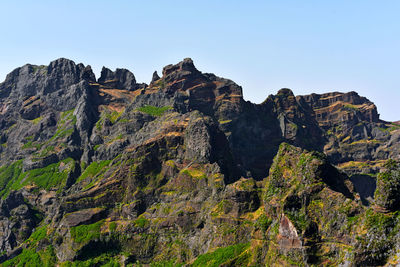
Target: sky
(308, 46)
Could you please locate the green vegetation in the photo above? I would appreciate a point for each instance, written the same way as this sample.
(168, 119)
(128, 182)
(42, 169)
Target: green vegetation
(39, 234)
(380, 221)
(224, 121)
(94, 169)
(124, 120)
(161, 83)
(65, 125)
(374, 246)
(99, 124)
(391, 173)
(41, 68)
(85, 233)
(351, 107)
(31, 144)
(110, 116)
(12, 177)
(37, 120)
(104, 260)
(29, 138)
(363, 141)
(298, 218)
(274, 185)
(9, 173)
(388, 186)
(67, 116)
(29, 257)
(168, 263)
(61, 133)
(154, 111)
(46, 151)
(194, 173)
(112, 226)
(223, 255)
(389, 128)
(114, 116)
(49, 176)
(263, 222)
(223, 207)
(141, 222)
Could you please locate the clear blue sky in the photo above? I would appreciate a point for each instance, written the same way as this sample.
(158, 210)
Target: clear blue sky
(308, 46)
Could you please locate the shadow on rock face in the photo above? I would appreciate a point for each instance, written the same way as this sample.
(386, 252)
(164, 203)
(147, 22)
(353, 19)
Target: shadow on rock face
(365, 185)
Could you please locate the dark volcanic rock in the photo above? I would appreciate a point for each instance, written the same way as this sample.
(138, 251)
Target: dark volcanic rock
(334, 108)
(17, 220)
(119, 79)
(352, 127)
(86, 216)
(155, 77)
(114, 171)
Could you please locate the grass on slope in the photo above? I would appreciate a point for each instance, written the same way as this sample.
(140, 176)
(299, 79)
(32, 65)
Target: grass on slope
(12, 177)
(154, 111)
(222, 255)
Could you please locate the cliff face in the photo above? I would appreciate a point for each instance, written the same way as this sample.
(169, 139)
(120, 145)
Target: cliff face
(184, 170)
(353, 129)
(336, 108)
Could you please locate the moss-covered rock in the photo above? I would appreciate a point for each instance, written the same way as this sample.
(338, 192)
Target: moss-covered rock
(388, 186)
(305, 195)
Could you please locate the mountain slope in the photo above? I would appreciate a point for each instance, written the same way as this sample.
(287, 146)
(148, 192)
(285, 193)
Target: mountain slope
(185, 171)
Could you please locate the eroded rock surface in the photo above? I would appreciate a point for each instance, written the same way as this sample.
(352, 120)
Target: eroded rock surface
(185, 171)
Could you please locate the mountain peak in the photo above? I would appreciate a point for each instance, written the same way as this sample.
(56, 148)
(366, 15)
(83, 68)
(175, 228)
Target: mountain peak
(185, 65)
(155, 77)
(62, 61)
(119, 79)
(285, 92)
(337, 108)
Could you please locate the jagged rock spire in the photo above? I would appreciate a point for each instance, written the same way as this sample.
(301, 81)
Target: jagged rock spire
(155, 77)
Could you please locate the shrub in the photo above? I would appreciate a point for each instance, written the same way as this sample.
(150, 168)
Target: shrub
(263, 222)
(141, 222)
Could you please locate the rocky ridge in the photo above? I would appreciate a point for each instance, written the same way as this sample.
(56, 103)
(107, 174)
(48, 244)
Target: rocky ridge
(185, 171)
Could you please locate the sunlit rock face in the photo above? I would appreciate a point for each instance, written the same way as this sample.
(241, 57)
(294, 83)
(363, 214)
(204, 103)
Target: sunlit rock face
(185, 171)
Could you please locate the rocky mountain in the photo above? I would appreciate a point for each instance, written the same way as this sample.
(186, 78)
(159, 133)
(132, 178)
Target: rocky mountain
(184, 171)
